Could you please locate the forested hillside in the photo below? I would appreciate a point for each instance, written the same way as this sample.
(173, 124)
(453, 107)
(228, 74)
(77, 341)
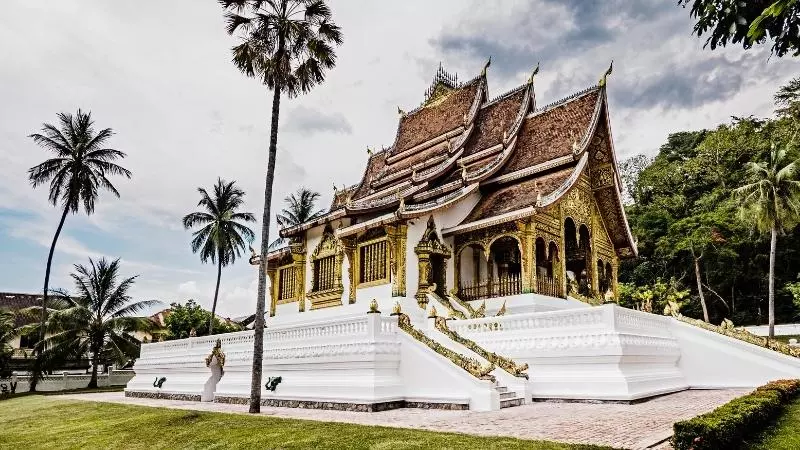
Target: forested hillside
(689, 223)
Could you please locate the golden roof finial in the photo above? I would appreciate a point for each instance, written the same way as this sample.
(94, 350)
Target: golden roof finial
(369, 151)
(335, 189)
(533, 74)
(486, 66)
(605, 75)
(400, 111)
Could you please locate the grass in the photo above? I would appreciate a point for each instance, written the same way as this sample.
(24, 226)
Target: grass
(787, 337)
(784, 433)
(49, 422)
(71, 391)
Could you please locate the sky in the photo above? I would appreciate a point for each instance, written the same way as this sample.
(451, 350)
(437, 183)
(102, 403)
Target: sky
(159, 74)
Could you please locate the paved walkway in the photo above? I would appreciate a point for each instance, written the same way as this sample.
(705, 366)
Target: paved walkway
(638, 426)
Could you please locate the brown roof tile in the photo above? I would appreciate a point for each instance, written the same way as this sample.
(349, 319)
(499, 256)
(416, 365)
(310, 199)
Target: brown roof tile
(492, 120)
(517, 196)
(550, 134)
(438, 117)
(375, 165)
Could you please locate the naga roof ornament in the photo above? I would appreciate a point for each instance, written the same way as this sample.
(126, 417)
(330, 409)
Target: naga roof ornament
(604, 78)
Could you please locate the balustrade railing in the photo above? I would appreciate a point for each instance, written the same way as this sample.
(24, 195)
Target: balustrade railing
(549, 286)
(500, 287)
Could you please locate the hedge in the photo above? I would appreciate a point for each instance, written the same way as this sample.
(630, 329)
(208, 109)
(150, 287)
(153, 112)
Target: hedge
(727, 426)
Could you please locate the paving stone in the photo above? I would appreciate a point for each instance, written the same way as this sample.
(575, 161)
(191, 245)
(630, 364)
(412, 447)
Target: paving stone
(635, 426)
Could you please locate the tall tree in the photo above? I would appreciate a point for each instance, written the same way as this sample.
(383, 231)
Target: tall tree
(771, 200)
(76, 174)
(300, 208)
(787, 99)
(221, 238)
(7, 332)
(98, 319)
(748, 22)
(287, 45)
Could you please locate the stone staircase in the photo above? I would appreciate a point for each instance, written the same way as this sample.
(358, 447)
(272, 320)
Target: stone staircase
(508, 398)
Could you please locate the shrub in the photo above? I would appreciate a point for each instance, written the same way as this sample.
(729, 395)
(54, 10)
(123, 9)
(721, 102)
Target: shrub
(728, 425)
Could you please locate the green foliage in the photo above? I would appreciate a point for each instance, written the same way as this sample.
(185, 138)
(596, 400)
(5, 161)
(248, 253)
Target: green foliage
(82, 162)
(748, 22)
(300, 208)
(7, 332)
(684, 202)
(49, 422)
(98, 320)
(182, 318)
(661, 296)
(727, 426)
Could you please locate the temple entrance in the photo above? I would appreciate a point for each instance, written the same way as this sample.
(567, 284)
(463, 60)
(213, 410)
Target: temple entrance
(498, 275)
(432, 256)
(438, 275)
(576, 241)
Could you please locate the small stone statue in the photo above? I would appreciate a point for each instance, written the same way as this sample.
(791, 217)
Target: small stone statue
(192, 332)
(373, 307)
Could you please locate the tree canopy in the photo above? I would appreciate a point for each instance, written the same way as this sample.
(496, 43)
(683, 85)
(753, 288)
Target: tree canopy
(183, 318)
(683, 199)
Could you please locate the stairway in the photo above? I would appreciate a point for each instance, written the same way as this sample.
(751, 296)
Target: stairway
(508, 398)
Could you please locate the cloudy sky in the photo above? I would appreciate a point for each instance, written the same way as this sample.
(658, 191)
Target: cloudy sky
(159, 74)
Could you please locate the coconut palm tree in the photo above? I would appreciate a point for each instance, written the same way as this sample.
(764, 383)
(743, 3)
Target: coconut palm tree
(7, 332)
(287, 45)
(98, 319)
(771, 201)
(300, 208)
(222, 236)
(76, 174)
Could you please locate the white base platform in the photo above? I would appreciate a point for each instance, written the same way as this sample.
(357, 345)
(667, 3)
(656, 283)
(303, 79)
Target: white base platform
(344, 358)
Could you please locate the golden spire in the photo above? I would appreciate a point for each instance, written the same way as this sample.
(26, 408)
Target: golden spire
(605, 75)
(533, 74)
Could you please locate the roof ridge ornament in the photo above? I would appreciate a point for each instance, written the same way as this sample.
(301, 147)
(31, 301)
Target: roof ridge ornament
(400, 112)
(533, 74)
(603, 80)
(369, 151)
(486, 66)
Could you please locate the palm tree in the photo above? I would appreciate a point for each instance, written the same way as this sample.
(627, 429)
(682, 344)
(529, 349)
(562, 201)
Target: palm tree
(300, 208)
(222, 237)
(288, 45)
(76, 174)
(771, 201)
(98, 319)
(7, 332)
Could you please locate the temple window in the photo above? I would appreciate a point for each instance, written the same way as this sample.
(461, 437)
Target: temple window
(287, 283)
(578, 252)
(373, 264)
(324, 273)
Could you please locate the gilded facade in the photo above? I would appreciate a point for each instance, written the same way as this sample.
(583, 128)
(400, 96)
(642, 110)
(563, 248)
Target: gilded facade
(484, 197)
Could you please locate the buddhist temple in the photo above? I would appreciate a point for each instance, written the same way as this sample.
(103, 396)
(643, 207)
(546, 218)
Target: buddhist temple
(473, 266)
(478, 196)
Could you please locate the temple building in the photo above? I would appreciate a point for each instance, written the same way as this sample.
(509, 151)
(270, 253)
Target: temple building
(478, 198)
(465, 270)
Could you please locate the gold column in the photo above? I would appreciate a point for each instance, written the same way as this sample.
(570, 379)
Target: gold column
(298, 250)
(527, 256)
(349, 247)
(615, 271)
(273, 290)
(592, 263)
(424, 277)
(398, 236)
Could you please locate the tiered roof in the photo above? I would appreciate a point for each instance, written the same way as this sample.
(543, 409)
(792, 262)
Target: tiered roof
(458, 141)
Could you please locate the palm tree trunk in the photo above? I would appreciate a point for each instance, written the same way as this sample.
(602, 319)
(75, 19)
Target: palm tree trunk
(95, 361)
(40, 347)
(216, 293)
(258, 326)
(700, 285)
(773, 243)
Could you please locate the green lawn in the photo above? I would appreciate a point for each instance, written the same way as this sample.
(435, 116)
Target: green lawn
(784, 434)
(49, 422)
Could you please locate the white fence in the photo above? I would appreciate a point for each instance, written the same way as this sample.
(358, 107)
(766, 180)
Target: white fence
(67, 381)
